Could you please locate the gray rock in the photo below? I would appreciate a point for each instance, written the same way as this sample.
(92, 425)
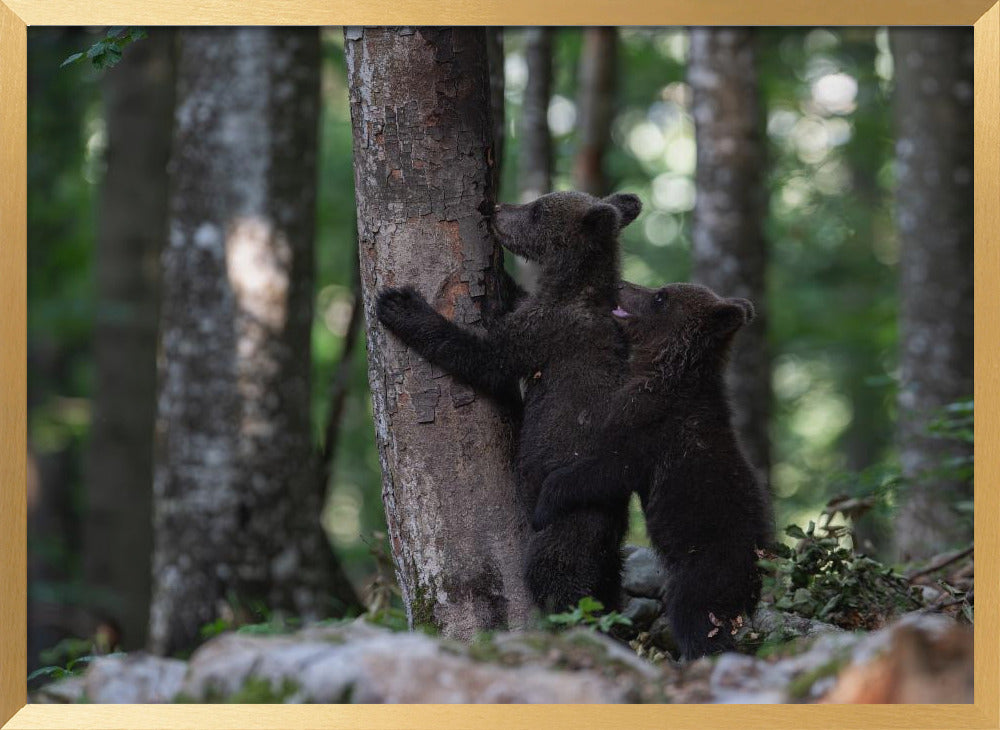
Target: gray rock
(138, 677)
(642, 612)
(772, 625)
(643, 574)
(363, 663)
(662, 636)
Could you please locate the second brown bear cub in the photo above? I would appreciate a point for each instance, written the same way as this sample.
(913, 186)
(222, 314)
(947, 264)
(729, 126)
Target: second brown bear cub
(670, 438)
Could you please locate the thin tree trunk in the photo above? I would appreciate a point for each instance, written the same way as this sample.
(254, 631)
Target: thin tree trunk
(422, 138)
(495, 56)
(535, 154)
(339, 385)
(236, 511)
(933, 109)
(728, 243)
(138, 101)
(595, 107)
(534, 165)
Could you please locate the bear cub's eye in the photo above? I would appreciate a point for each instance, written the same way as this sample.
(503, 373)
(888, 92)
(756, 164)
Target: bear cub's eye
(660, 299)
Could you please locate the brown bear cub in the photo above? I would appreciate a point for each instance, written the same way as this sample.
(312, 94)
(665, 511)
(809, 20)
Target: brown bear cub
(670, 438)
(568, 350)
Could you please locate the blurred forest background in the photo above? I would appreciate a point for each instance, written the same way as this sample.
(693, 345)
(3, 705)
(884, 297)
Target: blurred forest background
(855, 194)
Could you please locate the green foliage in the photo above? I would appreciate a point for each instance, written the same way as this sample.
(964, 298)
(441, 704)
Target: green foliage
(69, 658)
(107, 52)
(956, 423)
(823, 579)
(588, 612)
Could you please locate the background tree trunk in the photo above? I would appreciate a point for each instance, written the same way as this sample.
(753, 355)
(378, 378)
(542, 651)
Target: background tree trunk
(534, 164)
(237, 512)
(597, 82)
(118, 543)
(422, 137)
(495, 55)
(535, 152)
(933, 108)
(728, 244)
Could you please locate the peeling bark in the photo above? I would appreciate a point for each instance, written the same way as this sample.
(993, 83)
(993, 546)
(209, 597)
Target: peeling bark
(138, 102)
(934, 153)
(728, 243)
(236, 510)
(595, 108)
(422, 152)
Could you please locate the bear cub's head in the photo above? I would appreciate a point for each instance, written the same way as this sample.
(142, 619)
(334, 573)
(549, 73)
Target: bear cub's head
(679, 322)
(562, 224)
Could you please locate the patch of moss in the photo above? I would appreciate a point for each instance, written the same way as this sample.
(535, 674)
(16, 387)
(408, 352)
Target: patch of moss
(422, 607)
(255, 691)
(799, 687)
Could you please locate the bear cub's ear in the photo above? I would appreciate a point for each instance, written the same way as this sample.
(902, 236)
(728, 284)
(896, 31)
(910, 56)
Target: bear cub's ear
(602, 220)
(627, 204)
(731, 314)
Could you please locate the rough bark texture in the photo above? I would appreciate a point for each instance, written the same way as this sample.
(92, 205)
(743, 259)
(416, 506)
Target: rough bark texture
(236, 510)
(535, 153)
(595, 107)
(138, 102)
(422, 144)
(933, 105)
(728, 243)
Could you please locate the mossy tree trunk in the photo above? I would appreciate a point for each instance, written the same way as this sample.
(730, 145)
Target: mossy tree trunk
(138, 104)
(728, 242)
(420, 107)
(934, 152)
(236, 499)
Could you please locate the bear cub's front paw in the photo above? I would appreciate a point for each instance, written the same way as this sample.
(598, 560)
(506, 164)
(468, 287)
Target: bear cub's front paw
(397, 306)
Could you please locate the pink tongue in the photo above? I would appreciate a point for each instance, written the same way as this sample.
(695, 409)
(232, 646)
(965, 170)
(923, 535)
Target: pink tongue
(619, 312)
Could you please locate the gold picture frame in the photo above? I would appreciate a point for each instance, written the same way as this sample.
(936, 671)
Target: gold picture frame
(16, 15)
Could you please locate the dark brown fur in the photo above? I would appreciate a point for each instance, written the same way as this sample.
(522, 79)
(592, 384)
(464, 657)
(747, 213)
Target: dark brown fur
(669, 436)
(568, 350)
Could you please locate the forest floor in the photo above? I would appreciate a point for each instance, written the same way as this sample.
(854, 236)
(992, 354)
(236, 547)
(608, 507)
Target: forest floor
(911, 646)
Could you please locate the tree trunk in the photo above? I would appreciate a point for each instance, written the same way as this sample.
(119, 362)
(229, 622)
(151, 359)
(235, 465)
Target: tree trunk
(494, 53)
(138, 102)
(728, 243)
(534, 164)
(236, 508)
(595, 107)
(933, 109)
(535, 158)
(422, 146)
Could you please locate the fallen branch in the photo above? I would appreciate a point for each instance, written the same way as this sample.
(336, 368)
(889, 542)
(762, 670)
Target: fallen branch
(941, 563)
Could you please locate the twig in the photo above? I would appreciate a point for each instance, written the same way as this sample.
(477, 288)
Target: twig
(940, 563)
(966, 598)
(338, 389)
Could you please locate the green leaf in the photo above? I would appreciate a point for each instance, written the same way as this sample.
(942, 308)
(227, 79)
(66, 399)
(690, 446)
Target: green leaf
(589, 605)
(71, 59)
(45, 672)
(796, 532)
